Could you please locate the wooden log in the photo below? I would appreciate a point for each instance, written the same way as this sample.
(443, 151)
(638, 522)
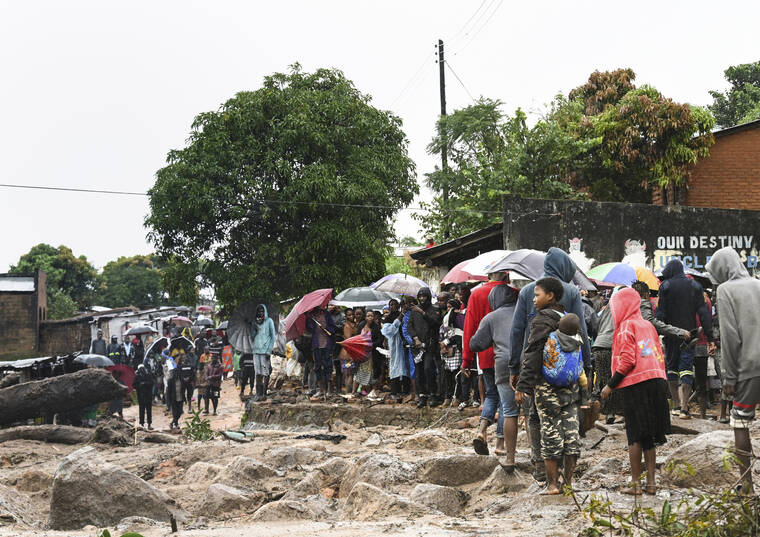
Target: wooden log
(57, 434)
(65, 393)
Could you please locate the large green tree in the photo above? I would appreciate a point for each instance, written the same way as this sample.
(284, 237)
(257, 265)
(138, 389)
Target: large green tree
(741, 102)
(132, 281)
(638, 140)
(70, 279)
(491, 154)
(284, 189)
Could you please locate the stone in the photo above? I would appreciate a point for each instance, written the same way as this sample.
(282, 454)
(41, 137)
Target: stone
(334, 468)
(455, 470)
(373, 441)
(447, 500)
(610, 467)
(290, 457)
(467, 423)
(315, 507)
(202, 472)
(432, 440)
(34, 481)
(221, 499)
(328, 492)
(368, 502)
(500, 482)
(14, 506)
(246, 471)
(136, 523)
(89, 490)
(310, 485)
(704, 454)
(377, 469)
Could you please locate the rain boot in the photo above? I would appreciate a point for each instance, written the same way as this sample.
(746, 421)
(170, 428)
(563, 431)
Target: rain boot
(264, 387)
(257, 397)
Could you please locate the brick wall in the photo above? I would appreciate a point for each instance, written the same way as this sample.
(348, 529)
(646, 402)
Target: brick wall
(18, 322)
(66, 336)
(730, 177)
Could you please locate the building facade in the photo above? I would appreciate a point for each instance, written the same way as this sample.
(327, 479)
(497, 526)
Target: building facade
(23, 306)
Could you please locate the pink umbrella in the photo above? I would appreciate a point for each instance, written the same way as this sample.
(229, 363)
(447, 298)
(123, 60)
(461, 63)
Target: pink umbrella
(205, 308)
(181, 321)
(295, 322)
(459, 275)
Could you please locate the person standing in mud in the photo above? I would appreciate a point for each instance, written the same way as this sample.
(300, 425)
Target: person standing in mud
(174, 396)
(247, 373)
(143, 385)
(424, 323)
(264, 336)
(213, 383)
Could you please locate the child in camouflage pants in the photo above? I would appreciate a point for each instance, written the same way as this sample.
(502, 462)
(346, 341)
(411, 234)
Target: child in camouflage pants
(557, 407)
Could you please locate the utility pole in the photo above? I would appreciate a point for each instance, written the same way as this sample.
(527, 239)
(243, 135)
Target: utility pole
(444, 156)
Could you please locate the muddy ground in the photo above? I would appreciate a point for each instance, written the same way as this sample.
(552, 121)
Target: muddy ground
(315, 487)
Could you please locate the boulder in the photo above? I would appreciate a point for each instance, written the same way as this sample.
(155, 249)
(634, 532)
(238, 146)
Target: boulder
(89, 490)
(310, 485)
(447, 500)
(202, 472)
(326, 475)
(455, 470)
(315, 507)
(432, 440)
(500, 482)
(136, 524)
(373, 441)
(604, 470)
(221, 499)
(289, 457)
(368, 502)
(334, 468)
(377, 469)
(704, 454)
(248, 472)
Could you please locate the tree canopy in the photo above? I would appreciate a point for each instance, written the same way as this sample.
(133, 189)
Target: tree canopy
(741, 102)
(262, 200)
(71, 280)
(132, 281)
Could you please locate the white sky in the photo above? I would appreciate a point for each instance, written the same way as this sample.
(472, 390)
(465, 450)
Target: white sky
(94, 94)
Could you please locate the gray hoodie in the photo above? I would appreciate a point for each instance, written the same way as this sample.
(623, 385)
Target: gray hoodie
(738, 300)
(495, 328)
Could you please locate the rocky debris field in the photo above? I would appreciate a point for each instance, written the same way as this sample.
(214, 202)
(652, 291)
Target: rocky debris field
(380, 480)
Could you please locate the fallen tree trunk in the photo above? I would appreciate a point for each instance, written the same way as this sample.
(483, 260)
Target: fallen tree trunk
(73, 391)
(56, 434)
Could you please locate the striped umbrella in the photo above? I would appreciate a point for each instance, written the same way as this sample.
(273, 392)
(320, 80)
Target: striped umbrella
(358, 348)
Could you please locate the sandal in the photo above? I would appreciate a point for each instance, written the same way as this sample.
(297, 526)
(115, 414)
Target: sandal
(479, 445)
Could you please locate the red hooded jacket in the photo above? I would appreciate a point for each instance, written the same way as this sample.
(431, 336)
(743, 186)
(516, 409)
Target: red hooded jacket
(477, 308)
(636, 350)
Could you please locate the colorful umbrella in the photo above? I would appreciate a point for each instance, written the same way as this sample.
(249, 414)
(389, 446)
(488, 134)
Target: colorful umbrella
(358, 348)
(459, 275)
(400, 284)
(205, 308)
(620, 273)
(647, 276)
(181, 321)
(123, 374)
(295, 322)
(484, 263)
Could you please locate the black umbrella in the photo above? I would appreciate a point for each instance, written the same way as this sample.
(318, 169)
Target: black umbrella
(157, 346)
(141, 330)
(241, 322)
(530, 263)
(182, 343)
(95, 360)
(204, 322)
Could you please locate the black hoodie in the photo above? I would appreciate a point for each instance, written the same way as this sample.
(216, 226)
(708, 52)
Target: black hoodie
(425, 325)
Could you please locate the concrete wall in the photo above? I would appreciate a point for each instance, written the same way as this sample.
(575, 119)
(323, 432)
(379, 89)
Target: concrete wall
(18, 322)
(690, 233)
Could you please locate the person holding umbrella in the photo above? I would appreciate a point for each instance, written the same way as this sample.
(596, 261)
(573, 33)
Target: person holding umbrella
(264, 336)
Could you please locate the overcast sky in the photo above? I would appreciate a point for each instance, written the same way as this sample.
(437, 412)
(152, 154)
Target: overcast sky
(94, 94)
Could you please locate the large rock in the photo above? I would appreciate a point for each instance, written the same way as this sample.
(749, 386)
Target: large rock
(368, 502)
(89, 490)
(432, 440)
(447, 500)
(455, 470)
(15, 506)
(290, 457)
(202, 472)
(327, 474)
(248, 472)
(704, 454)
(501, 482)
(311, 508)
(377, 469)
(221, 499)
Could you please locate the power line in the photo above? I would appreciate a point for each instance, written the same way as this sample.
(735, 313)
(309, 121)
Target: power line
(448, 64)
(453, 37)
(413, 77)
(258, 202)
(476, 34)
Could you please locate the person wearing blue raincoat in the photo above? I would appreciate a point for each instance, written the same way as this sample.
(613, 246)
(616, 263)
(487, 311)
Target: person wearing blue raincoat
(398, 357)
(264, 336)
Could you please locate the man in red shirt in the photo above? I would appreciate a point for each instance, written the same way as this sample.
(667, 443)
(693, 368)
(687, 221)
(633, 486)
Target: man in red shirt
(477, 308)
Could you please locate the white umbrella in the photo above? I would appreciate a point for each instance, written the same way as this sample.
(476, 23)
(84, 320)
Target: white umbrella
(481, 265)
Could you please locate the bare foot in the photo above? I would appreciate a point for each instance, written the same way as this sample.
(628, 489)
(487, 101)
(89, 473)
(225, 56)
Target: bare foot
(551, 490)
(650, 489)
(632, 489)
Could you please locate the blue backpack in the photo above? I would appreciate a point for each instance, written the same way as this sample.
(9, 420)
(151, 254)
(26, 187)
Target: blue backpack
(560, 368)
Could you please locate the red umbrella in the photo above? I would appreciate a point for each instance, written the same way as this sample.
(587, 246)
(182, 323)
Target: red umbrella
(358, 348)
(124, 374)
(459, 275)
(181, 321)
(205, 308)
(295, 322)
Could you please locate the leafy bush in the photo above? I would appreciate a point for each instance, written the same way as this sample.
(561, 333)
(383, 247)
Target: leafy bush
(198, 428)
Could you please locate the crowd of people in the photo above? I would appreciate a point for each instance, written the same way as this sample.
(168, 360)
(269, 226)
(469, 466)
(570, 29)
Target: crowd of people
(545, 351)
